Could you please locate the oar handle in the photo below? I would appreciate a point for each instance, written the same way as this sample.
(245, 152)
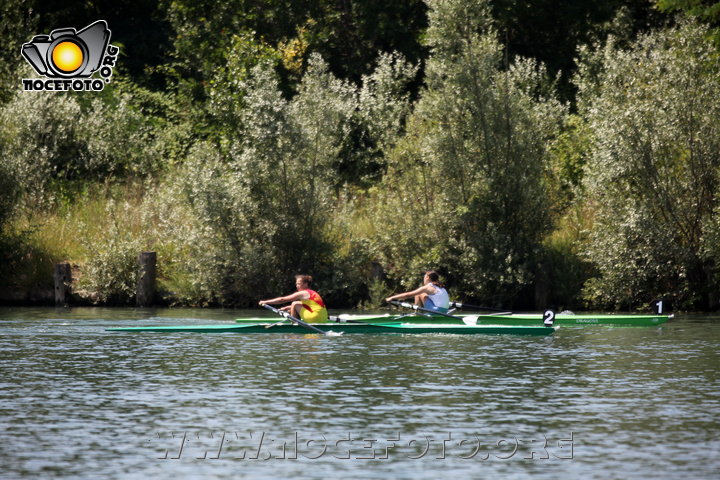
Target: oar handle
(405, 305)
(282, 313)
(296, 320)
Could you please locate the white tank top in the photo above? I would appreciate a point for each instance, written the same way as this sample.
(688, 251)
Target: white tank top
(440, 298)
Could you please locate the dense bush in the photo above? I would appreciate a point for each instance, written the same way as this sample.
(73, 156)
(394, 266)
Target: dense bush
(466, 190)
(265, 209)
(654, 110)
(51, 140)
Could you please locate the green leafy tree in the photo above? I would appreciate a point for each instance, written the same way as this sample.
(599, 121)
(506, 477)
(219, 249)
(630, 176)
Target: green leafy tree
(41, 143)
(550, 31)
(265, 210)
(383, 104)
(9, 193)
(468, 183)
(50, 141)
(18, 22)
(652, 176)
(263, 203)
(707, 11)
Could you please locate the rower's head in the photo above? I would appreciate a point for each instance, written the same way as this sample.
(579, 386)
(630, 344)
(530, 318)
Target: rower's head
(431, 276)
(302, 282)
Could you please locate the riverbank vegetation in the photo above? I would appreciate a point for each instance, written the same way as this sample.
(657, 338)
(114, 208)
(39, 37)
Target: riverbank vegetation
(363, 143)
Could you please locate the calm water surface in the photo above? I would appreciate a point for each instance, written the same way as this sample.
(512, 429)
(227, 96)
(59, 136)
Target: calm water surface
(77, 401)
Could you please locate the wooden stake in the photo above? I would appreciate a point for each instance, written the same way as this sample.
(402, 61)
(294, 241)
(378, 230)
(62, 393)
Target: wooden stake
(63, 283)
(145, 294)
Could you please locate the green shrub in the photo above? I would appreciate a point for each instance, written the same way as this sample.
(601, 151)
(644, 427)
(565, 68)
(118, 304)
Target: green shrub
(654, 112)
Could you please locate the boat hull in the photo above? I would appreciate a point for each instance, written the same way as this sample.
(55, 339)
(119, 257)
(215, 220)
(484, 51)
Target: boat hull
(384, 328)
(528, 319)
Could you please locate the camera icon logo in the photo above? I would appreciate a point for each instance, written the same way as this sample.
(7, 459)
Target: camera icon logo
(70, 54)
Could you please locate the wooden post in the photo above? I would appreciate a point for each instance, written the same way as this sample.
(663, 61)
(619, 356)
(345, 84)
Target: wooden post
(63, 282)
(145, 294)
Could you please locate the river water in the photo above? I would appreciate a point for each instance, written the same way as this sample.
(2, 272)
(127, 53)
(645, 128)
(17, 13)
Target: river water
(77, 401)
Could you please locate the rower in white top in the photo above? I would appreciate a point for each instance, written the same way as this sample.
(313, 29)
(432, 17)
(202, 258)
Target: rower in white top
(431, 296)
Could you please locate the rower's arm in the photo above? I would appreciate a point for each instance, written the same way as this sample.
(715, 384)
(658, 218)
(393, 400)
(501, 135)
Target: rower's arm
(429, 289)
(287, 298)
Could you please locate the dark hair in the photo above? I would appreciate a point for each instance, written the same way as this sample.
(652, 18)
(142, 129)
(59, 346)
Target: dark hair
(434, 277)
(305, 279)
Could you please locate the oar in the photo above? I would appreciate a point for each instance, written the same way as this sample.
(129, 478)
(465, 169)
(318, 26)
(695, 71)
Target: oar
(471, 320)
(475, 307)
(415, 307)
(300, 322)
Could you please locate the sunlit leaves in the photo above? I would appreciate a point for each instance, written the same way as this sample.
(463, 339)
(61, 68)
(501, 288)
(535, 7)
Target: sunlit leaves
(467, 182)
(654, 110)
